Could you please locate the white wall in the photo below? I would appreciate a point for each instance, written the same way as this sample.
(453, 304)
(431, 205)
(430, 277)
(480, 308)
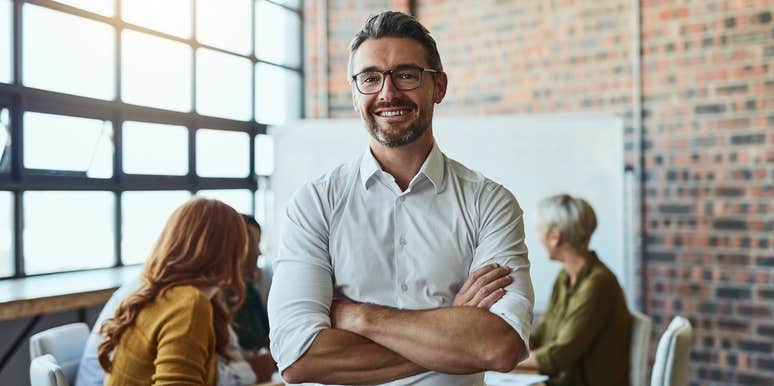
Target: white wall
(533, 156)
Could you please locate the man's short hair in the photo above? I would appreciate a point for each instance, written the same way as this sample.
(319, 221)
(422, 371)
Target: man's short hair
(573, 216)
(396, 25)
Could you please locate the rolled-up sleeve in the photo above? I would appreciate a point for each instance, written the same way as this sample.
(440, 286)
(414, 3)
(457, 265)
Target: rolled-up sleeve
(302, 286)
(501, 240)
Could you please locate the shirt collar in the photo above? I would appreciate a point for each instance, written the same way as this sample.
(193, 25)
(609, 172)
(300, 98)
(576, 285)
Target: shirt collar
(432, 168)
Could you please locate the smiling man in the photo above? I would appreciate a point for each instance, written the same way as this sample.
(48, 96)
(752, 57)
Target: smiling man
(403, 266)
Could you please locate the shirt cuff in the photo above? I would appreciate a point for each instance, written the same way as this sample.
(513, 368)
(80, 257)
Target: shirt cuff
(522, 324)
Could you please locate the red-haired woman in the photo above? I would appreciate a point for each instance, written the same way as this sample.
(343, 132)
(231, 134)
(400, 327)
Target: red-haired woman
(170, 330)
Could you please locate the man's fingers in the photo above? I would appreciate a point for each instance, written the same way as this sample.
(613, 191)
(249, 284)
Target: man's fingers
(476, 275)
(489, 283)
(491, 299)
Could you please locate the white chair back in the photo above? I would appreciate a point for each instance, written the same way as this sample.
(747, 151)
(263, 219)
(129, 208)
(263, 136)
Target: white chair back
(64, 343)
(45, 371)
(673, 355)
(640, 349)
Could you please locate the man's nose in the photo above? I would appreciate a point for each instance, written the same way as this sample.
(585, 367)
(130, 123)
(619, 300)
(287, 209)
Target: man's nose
(388, 89)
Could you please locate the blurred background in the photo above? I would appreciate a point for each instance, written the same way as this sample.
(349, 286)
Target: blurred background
(114, 112)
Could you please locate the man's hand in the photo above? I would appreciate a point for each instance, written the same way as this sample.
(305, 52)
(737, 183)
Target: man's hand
(484, 287)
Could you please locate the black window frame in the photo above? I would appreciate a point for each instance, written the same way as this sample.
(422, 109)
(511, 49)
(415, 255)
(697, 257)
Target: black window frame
(20, 99)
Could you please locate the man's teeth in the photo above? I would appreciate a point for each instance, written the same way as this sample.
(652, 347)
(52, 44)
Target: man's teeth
(393, 113)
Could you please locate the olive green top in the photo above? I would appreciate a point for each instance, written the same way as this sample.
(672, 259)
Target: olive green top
(583, 337)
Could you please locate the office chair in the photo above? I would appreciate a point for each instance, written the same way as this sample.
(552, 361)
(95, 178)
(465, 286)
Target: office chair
(64, 344)
(640, 349)
(671, 367)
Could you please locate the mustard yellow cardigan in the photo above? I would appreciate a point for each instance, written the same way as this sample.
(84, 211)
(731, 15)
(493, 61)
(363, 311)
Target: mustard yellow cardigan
(172, 342)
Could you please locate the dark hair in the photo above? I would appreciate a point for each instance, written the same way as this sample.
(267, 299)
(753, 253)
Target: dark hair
(250, 220)
(397, 25)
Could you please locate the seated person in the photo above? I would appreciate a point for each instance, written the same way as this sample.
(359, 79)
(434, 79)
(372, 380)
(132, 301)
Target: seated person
(237, 372)
(582, 339)
(170, 329)
(251, 321)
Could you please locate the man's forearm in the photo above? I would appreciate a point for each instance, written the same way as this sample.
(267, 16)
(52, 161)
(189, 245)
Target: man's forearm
(450, 340)
(342, 357)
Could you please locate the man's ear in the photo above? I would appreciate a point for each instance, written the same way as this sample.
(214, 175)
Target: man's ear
(439, 91)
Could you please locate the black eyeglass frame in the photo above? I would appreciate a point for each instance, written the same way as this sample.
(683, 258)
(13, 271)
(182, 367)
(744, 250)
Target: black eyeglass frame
(389, 72)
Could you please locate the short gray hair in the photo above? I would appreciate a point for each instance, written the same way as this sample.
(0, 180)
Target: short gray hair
(397, 25)
(573, 216)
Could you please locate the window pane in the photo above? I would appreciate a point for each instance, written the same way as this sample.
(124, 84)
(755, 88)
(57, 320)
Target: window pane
(67, 53)
(168, 16)
(61, 142)
(68, 230)
(277, 94)
(223, 85)
(264, 155)
(6, 42)
(101, 7)
(277, 34)
(239, 199)
(6, 234)
(224, 24)
(290, 3)
(155, 72)
(152, 148)
(222, 153)
(5, 140)
(143, 215)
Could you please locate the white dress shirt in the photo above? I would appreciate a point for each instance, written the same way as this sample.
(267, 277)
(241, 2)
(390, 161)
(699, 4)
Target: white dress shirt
(354, 231)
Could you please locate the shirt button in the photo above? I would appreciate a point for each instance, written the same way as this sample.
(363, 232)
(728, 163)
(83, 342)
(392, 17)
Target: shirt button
(401, 198)
(404, 287)
(403, 242)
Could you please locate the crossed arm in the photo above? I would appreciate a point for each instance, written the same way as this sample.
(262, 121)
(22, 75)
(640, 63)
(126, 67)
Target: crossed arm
(375, 344)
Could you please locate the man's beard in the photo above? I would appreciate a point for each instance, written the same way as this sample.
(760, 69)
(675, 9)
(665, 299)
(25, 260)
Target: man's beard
(409, 135)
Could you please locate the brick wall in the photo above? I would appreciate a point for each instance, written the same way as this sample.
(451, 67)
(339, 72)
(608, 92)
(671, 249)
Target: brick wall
(708, 120)
(708, 89)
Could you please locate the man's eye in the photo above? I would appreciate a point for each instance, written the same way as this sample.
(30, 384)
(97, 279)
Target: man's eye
(407, 75)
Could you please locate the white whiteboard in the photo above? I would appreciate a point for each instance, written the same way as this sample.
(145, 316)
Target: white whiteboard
(534, 156)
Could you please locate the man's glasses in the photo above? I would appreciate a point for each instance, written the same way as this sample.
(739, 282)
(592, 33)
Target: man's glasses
(404, 78)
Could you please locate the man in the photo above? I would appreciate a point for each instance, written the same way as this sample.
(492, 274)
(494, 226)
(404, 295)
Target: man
(252, 364)
(402, 267)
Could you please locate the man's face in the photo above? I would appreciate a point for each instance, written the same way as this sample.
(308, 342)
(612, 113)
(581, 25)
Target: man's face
(253, 251)
(395, 117)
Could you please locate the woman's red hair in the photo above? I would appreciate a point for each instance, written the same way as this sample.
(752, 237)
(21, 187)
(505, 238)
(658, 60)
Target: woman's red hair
(203, 244)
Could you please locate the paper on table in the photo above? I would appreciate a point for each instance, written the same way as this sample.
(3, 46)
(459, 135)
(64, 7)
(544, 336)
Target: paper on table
(492, 378)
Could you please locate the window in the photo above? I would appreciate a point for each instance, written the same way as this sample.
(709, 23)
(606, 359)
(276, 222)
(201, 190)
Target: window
(222, 153)
(81, 49)
(223, 85)
(169, 16)
(124, 109)
(276, 92)
(156, 72)
(225, 24)
(6, 42)
(6, 234)
(239, 199)
(53, 242)
(278, 29)
(101, 7)
(143, 217)
(57, 142)
(152, 148)
(5, 139)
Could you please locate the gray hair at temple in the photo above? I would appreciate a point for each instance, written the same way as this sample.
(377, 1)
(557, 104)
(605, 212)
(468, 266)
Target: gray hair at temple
(573, 216)
(396, 25)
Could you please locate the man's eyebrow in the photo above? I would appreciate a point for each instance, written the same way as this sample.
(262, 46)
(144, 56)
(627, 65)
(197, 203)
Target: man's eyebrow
(374, 68)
